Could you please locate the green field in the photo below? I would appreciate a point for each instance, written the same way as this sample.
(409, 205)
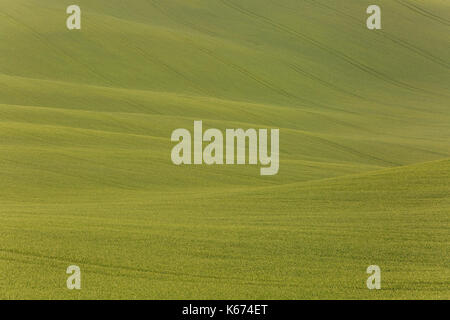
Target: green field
(86, 176)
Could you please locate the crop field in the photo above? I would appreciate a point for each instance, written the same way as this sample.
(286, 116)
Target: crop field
(86, 176)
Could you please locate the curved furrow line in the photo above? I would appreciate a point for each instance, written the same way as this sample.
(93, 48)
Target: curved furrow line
(158, 62)
(142, 275)
(351, 150)
(137, 270)
(242, 70)
(251, 75)
(342, 177)
(179, 117)
(297, 69)
(327, 84)
(178, 20)
(423, 53)
(269, 85)
(398, 41)
(100, 131)
(423, 12)
(170, 68)
(246, 72)
(58, 49)
(77, 175)
(361, 66)
(102, 273)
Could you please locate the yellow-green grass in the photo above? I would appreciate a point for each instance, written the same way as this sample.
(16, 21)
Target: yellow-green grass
(86, 176)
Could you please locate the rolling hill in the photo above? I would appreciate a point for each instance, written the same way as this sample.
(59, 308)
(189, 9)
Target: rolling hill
(86, 177)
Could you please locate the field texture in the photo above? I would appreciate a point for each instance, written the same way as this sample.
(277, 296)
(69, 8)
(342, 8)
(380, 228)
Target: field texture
(86, 176)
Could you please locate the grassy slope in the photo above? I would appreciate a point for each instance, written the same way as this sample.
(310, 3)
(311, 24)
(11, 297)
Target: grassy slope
(85, 171)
